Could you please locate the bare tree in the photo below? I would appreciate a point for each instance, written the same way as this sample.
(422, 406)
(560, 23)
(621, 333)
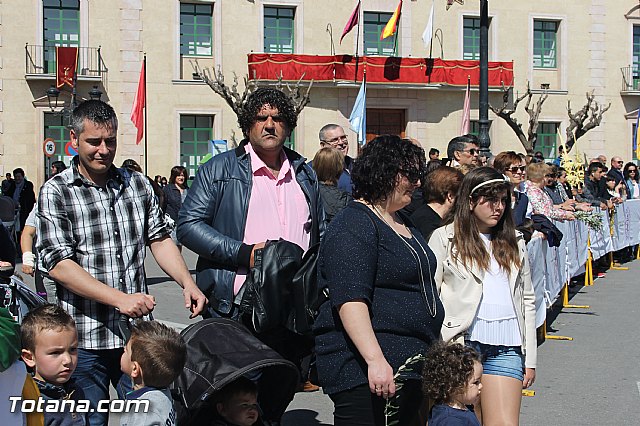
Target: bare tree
(587, 118)
(236, 99)
(529, 140)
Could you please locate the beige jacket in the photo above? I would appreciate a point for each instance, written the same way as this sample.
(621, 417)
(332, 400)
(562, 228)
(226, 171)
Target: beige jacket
(460, 290)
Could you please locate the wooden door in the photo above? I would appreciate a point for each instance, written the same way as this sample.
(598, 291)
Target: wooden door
(385, 122)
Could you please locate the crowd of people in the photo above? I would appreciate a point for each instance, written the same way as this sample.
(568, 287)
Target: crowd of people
(418, 258)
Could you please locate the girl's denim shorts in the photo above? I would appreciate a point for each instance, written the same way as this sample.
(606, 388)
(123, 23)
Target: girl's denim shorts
(505, 361)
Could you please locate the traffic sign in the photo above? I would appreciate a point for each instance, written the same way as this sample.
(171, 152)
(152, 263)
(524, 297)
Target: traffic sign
(49, 147)
(69, 150)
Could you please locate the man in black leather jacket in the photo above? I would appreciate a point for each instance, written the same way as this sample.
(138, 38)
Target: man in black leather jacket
(217, 209)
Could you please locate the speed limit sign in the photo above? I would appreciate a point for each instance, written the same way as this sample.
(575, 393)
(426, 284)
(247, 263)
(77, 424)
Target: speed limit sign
(49, 147)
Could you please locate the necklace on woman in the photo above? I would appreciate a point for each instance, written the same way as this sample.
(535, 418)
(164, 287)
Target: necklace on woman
(432, 310)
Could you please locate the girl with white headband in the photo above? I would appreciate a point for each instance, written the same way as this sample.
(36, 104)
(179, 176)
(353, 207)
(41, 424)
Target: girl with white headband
(485, 286)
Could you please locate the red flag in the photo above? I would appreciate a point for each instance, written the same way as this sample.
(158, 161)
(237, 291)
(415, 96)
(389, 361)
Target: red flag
(352, 22)
(66, 64)
(465, 125)
(139, 103)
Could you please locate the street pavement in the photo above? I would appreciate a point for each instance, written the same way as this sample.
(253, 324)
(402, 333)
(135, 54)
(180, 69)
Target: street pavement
(592, 380)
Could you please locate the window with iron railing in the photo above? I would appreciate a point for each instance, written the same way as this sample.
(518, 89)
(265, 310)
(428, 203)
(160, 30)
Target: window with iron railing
(61, 22)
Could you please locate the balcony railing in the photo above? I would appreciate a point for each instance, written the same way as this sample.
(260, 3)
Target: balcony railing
(630, 78)
(41, 59)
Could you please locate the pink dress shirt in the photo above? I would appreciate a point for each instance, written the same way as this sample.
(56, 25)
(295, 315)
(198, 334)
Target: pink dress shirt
(277, 208)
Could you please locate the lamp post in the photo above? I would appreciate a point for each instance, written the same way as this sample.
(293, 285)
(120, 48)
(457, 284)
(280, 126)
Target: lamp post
(483, 136)
(53, 93)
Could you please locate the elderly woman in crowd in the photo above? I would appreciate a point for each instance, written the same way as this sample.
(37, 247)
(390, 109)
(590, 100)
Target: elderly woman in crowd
(538, 174)
(383, 306)
(440, 189)
(485, 285)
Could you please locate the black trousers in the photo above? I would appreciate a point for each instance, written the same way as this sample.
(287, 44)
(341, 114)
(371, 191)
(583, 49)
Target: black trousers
(360, 407)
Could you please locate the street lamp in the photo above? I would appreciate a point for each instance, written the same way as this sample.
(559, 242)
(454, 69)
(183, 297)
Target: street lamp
(483, 135)
(53, 93)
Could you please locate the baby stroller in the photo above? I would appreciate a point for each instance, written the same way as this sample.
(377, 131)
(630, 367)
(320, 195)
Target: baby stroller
(18, 298)
(220, 351)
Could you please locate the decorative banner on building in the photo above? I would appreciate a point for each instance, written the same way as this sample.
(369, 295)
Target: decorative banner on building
(380, 69)
(66, 65)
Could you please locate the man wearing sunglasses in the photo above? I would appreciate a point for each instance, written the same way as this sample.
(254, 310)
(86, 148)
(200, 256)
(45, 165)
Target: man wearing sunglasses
(616, 171)
(332, 135)
(463, 150)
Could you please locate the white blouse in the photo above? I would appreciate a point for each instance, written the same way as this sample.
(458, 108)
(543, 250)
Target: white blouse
(495, 322)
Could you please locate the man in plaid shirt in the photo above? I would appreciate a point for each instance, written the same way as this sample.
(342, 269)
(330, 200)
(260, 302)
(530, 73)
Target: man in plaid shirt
(95, 222)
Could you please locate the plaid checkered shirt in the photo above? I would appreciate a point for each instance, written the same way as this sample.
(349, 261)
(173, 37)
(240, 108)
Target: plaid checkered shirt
(105, 231)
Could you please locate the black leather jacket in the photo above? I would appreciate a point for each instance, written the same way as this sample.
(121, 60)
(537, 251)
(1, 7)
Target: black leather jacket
(213, 216)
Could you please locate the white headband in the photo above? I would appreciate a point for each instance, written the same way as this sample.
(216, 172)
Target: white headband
(504, 179)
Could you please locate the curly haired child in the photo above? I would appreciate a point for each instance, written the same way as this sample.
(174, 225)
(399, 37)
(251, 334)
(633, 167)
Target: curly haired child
(451, 379)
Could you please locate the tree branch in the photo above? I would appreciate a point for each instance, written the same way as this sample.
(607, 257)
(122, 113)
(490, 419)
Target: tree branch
(587, 118)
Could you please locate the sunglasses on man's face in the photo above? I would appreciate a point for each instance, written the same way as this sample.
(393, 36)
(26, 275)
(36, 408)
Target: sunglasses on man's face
(471, 151)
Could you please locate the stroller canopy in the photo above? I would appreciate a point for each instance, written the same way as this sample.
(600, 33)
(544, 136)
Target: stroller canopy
(218, 352)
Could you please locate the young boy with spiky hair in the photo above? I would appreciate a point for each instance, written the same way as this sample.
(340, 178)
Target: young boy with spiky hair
(50, 351)
(153, 357)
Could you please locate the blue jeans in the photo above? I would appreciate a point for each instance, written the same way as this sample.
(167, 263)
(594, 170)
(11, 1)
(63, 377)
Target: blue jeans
(95, 371)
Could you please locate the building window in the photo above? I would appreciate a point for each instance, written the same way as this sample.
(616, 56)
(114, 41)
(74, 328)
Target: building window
(374, 23)
(471, 39)
(196, 29)
(278, 29)
(291, 140)
(474, 129)
(635, 69)
(61, 28)
(195, 133)
(55, 129)
(544, 44)
(547, 136)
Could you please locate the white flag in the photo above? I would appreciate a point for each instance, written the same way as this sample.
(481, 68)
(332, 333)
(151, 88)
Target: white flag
(428, 31)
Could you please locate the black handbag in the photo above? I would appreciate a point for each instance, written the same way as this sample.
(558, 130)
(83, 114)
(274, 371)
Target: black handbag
(281, 290)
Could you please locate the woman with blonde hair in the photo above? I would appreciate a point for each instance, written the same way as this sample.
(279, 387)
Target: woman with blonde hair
(538, 174)
(485, 286)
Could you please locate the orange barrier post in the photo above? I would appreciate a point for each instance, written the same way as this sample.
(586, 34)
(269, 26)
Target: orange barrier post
(565, 299)
(553, 337)
(588, 267)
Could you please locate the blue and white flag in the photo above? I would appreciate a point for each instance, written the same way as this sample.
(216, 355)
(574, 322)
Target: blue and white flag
(358, 117)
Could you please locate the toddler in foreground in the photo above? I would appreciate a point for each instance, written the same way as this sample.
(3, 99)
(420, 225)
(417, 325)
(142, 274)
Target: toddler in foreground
(451, 379)
(238, 404)
(50, 351)
(153, 357)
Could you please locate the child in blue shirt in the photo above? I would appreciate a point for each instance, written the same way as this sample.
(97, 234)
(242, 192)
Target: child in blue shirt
(451, 378)
(153, 357)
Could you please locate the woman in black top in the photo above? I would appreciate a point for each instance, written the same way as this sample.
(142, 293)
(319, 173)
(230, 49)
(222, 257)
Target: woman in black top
(174, 194)
(329, 165)
(383, 307)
